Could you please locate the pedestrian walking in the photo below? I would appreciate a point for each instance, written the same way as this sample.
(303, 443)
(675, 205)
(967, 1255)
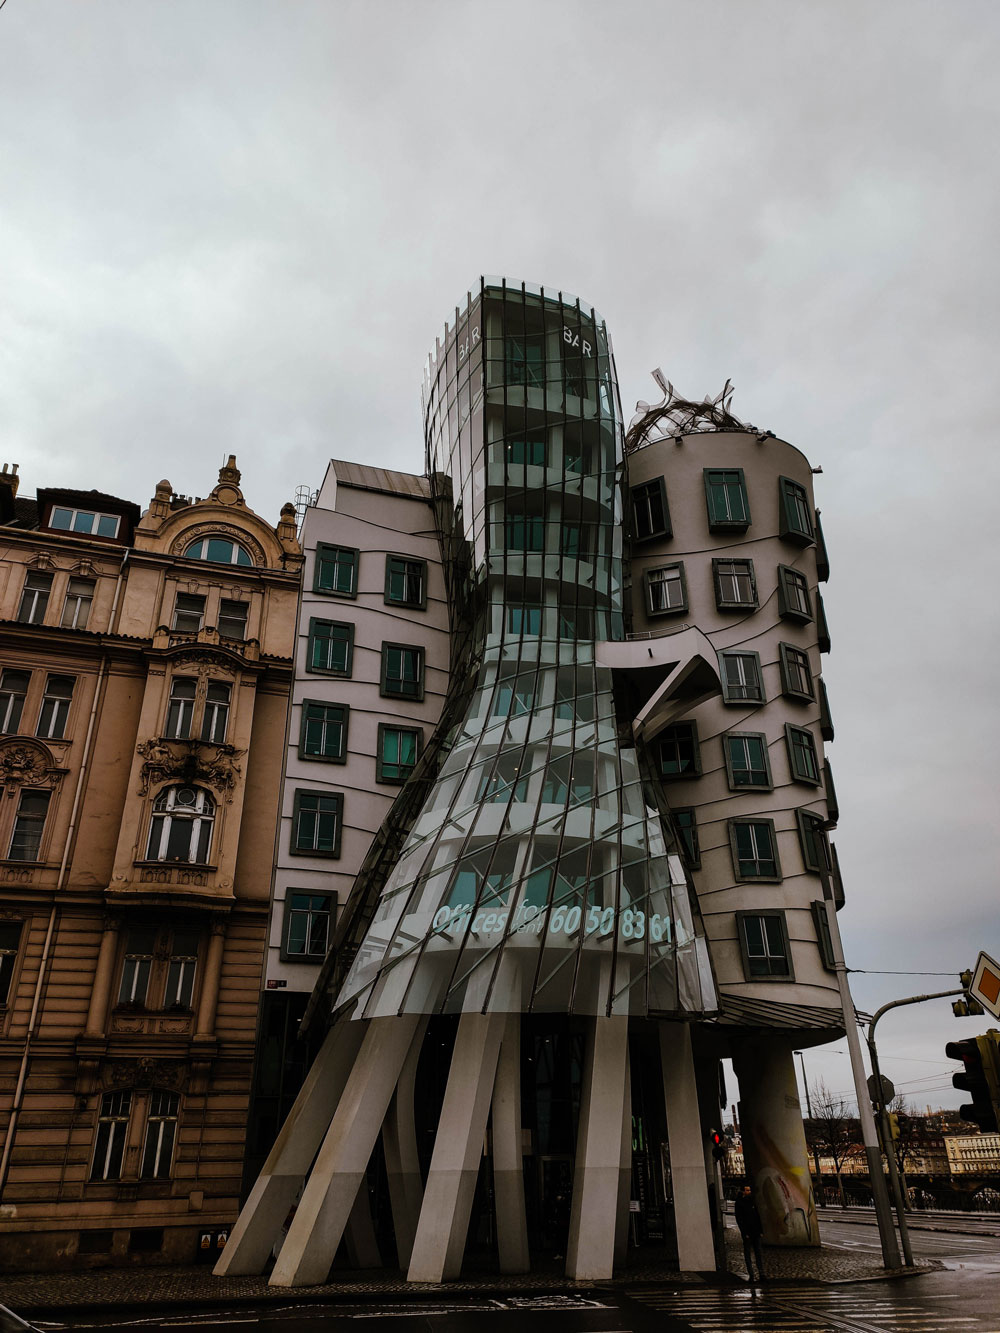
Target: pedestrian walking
(751, 1230)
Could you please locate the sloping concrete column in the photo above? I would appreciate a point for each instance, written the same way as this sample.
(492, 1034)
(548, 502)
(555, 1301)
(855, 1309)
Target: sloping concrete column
(260, 1221)
(624, 1169)
(328, 1198)
(692, 1215)
(402, 1164)
(596, 1176)
(774, 1141)
(508, 1163)
(458, 1148)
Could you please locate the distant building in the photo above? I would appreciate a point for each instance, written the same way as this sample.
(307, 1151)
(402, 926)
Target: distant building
(145, 666)
(973, 1154)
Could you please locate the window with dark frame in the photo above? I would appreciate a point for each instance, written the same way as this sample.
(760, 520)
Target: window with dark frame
(825, 716)
(233, 619)
(735, 585)
(754, 848)
(530, 452)
(402, 671)
(161, 1131)
(29, 825)
(666, 590)
(524, 359)
(34, 597)
(76, 607)
(398, 752)
(796, 673)
(405, 581)
(10, 943)
(189, 613)
(524, 531)
(308, 922)
(813, 841)
(686, 822)
(13, 691)
(112, 1132)
(181, 969)
(336, 570)
(331, 647)
(764, 945)
(746, 758)
(323, 731)
(726, 497)
(796, 515)
(180, 708)
(802, 757)
(824, 937)
(678, 751)
(215, 719)
(793, 595)
(742, 681)
(650, 512)
(54, 712)
(524, 620)
(316, 823)
(140, 945)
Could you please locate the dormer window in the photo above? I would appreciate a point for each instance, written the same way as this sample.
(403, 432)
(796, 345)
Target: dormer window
(86, 521)
(220, 550)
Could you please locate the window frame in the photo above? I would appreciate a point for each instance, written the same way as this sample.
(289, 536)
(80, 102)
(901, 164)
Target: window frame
(824, 936)
(175, 731)
(348, 638)
(84, 603)
(234, 562)
(822, 558)
(36, 614)
(337, 797)
(328, 551)
(822, 628)
(692, 848)
(29, 821)
(53, 728)
(212, 710)
(158, 1118)
(761, 737)
(677, 565)
(14, 701)
(665, 531)
(788, 667)
(788, 608)
(741, 876)
(380, 775)
(205, 812)
(826, 729)
(418, 604)
(774, 913)
(695, 771)
(728, 524)
(722, 603)
(96, 514)
(225, 602)
(119, 1120)
(810, 839)
(307, 956)
(795, 525)
(340, 757)
(179, 611)
(416, 695)
(792, 733)
(10, 953)
(726, 653)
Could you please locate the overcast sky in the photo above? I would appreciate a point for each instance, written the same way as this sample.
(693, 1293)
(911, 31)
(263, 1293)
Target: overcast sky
(236, 226)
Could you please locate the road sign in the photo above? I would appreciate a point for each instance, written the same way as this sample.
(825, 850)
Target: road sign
(986, 984)
(888, 1089)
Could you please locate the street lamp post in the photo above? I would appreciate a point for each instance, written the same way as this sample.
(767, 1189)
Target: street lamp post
(809, 1111)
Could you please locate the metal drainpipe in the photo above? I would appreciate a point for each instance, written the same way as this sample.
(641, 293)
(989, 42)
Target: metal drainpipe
(22, 1073)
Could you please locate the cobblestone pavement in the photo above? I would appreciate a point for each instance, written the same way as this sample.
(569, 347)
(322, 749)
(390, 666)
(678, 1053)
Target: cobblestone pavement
(33, 1293)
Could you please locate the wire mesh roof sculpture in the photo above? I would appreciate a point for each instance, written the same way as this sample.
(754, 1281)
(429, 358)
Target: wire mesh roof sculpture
(675, 416)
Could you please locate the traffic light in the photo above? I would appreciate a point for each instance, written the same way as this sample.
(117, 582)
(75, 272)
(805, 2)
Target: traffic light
(967, 1006)
(893, 1126)
(981, 1077)
(718, 1145)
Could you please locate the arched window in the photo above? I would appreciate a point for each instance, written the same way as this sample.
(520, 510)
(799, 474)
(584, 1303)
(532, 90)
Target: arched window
(218, 549)
(181, 827)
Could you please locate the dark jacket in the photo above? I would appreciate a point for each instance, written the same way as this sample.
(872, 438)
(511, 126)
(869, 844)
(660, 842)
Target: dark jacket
(747, 1216)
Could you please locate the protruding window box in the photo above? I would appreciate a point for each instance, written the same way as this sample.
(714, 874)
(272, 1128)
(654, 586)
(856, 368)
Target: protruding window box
(795, 513)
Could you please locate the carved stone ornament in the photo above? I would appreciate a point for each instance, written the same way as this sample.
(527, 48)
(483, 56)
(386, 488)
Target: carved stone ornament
(27, 763)
(191, 762)
(145, 1073)
(250, 544)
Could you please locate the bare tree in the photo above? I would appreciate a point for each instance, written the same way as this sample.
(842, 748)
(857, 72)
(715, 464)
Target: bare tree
(833, 1130)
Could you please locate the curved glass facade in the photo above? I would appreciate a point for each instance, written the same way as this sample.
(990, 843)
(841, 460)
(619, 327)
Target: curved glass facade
(539, 874)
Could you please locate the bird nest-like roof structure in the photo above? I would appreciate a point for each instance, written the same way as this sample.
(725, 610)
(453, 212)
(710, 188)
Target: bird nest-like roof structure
(676, 416)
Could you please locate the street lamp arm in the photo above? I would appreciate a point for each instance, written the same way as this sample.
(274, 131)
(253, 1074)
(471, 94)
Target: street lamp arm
(913, 999)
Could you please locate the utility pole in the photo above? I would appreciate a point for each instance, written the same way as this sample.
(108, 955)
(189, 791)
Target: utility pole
(880, 1196)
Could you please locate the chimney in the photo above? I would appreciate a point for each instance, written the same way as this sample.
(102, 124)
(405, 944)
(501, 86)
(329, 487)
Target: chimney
(10, 477)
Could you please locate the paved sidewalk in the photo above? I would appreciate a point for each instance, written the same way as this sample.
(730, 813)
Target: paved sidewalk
(34, 1294)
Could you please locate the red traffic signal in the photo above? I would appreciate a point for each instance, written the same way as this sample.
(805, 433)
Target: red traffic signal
(718, 1144)
(978, 1077)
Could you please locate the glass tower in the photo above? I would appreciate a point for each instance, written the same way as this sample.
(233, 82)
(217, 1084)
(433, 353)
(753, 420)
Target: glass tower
(540, 874)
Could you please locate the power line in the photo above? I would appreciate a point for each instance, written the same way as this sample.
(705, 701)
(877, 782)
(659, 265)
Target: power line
(872, 972)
